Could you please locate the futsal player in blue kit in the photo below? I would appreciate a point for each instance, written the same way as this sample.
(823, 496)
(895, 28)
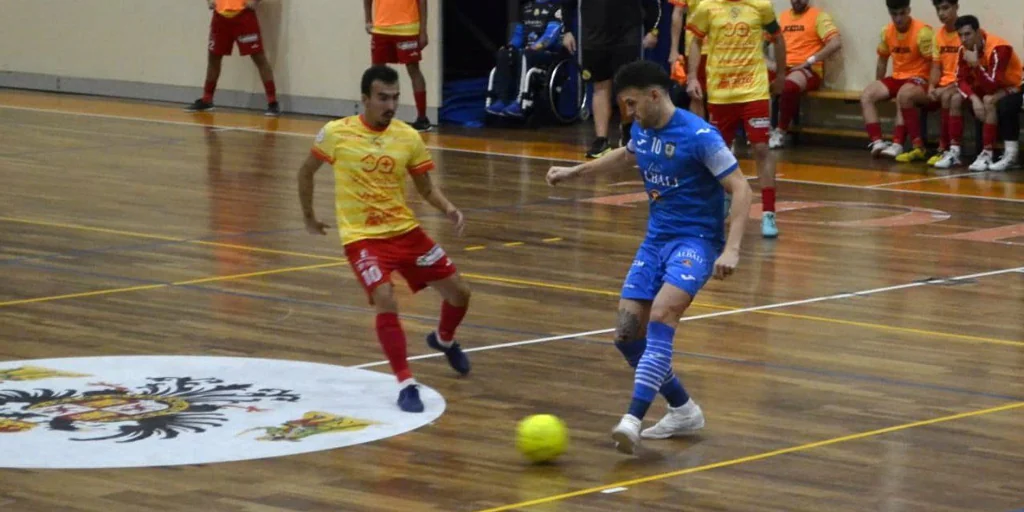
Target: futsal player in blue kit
(687, 168)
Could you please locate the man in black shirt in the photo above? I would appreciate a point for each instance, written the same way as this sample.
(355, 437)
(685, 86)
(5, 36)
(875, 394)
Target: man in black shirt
(612, 33)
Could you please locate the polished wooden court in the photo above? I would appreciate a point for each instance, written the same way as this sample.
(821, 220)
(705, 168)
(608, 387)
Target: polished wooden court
(871, 358)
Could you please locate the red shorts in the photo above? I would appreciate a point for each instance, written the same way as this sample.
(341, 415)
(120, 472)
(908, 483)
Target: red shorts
(812, 78)
(754, 116)
(243, 28)
(895, 84)
(412, 254)
(385, 49)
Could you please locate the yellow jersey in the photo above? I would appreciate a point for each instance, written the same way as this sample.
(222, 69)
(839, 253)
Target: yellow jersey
(370, 171)
(734, 32)
(690, 6)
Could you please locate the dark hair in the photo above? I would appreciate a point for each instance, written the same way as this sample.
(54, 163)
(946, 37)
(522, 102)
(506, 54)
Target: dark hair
(968, 21)
(641, 75)
(950, 2)
(378, 73)
(895, 5)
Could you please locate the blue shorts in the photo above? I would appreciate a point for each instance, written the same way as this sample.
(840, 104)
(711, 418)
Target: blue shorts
(686, 263)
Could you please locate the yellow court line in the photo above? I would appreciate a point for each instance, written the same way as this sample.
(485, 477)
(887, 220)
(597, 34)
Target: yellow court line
(513, 244)
(167, 285)
(554, 239)
(543, 284)
(753, 458)
(475, 248)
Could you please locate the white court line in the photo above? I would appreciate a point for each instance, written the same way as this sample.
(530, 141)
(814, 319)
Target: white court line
(923, 180)
(474, 151)
(837, 296)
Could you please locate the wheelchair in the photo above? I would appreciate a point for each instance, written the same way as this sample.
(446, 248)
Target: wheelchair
(552, 90)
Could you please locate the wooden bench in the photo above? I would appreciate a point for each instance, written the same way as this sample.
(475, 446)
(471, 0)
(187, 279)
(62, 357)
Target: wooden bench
(853, 97)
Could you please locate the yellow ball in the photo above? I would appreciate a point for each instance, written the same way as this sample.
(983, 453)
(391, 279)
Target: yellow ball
(541, 437)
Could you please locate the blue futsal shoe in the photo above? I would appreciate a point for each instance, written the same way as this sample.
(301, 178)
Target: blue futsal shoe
(497, 108)
(409, 399)
(768, 227)
(456, 357)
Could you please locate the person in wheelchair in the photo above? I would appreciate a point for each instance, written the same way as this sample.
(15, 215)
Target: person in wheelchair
(536, 39)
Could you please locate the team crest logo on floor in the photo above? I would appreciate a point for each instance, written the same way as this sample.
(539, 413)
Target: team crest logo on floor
(138, 411)
(33, 373)
(311, 424)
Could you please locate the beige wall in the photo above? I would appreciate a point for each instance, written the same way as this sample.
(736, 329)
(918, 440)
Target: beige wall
(861, 22)
(318, 48)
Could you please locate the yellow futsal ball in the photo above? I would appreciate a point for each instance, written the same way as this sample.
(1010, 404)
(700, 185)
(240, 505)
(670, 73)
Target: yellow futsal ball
(541, 437)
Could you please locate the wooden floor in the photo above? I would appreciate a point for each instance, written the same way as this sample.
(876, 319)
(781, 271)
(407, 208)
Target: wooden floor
(871, 358)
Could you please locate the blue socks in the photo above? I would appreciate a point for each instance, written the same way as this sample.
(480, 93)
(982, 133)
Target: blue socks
(652, 359)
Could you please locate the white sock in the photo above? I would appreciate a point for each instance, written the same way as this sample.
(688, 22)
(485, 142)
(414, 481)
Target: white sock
(1012, 149)
(955, 150)
(407, 382)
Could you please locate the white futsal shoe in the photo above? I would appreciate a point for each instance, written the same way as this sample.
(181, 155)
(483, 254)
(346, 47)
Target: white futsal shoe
(627, 434)
(678, 421)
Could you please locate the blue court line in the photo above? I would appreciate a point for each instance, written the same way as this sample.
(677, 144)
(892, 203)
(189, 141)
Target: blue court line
(148, 142)
(137, 246)
(730, 360)
(166, 243)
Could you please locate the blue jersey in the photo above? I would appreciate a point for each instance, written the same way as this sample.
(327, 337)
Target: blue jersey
(681, 164)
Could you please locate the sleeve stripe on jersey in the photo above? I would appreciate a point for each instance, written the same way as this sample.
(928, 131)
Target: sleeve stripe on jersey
(830, 35)
(630, 146)
(422, 168)
(722, 163)
(323, 157)
(696, 31)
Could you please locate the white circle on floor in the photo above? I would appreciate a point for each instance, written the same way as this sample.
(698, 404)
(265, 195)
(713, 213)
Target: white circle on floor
(145, 411)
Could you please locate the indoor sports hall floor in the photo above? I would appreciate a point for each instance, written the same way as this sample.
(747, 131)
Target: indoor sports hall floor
(871, 358)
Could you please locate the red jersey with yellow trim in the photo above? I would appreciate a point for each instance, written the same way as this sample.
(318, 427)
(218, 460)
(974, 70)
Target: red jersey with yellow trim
(370, 171)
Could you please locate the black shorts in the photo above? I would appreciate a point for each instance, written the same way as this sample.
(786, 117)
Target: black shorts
(601, 62)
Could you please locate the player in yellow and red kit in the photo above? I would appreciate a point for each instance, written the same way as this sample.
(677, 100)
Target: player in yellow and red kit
(737, 80)
(372, 155)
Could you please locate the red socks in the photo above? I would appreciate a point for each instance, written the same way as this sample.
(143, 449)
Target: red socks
(956, 129)
(944, 130)
(271, 90)
(451, 317)
(768, 199)
(208, 89)
(899, 133)
(788, 105)
(912, 120)
(989, 135)
(392, 340)
(874, 131)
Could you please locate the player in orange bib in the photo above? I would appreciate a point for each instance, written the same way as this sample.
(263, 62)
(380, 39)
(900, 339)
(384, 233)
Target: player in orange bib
(990, 70)
(811, 38)
(909, 42)
(738, 90)
(398, 34)
(235, 21)
(372, 154)
(942, 87)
